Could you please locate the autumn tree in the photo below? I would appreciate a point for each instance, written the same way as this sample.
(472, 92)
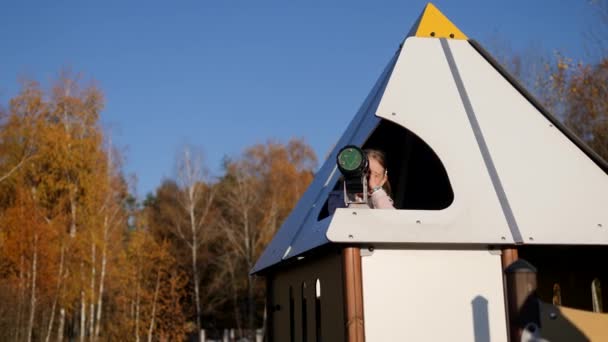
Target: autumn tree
(576, 92)
(580, 89)
(259, 190)
(30, 229)
(80, 259)
(182, 212)
(149, 292)
(29, 251)
(76, 178)
(586, 110)
(584, 87)
(62, 175)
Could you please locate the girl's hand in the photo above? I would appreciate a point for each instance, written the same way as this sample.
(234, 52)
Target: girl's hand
(375, 180)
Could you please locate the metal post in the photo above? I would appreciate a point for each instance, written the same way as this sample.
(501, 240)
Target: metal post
(522, 302)
(353, 283)
(508, 256)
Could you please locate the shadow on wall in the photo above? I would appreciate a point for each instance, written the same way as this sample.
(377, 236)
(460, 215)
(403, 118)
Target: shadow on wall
(481, 322)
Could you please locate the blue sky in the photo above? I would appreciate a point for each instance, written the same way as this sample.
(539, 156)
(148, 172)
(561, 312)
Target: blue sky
(224, 75)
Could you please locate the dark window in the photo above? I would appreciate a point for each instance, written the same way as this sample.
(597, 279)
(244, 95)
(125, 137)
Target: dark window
(417, 177)
(569, 275)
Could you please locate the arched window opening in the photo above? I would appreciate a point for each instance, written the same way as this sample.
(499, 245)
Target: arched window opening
(318, 310)
(418, 179)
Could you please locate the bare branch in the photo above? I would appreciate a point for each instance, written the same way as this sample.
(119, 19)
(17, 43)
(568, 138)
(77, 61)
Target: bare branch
(14, 169)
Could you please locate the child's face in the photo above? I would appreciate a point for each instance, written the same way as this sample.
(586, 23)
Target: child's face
(377, 174)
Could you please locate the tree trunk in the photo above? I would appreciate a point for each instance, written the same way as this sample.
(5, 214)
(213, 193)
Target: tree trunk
(21, 299)
(30, 326)
(92, 289)
(235, 306)
(102, 278)
(61, 324)
(250, 308)
(73, 214)
(137, 307)
(83, 315)
(57, 291)
(248, 253)
(250, 303)
(265, 321)
(196, 291)
(194, 249)
(104, 249)
(151, 328)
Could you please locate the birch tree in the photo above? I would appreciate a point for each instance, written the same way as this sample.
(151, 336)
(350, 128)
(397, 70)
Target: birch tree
(258, 192)
(75, 192)
(195, 201)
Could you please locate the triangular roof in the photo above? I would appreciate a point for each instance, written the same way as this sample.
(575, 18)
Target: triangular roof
(518, 175)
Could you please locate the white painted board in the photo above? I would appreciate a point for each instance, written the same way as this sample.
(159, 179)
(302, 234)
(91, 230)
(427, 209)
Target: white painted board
(433, 295)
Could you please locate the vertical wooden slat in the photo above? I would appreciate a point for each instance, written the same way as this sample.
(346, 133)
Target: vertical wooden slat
(297, 310)
(521, 297)
(270, 310)
(327, 266)
(509, 255)
(318, 311)
(279, 324)
(310, 311)
(353, 284)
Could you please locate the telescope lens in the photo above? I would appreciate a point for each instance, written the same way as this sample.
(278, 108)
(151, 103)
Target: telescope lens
(353, 164)
(351, 160)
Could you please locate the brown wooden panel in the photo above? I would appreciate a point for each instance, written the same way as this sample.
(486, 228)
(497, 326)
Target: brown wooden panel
(325, 265)
(310, 310)
(297, 295)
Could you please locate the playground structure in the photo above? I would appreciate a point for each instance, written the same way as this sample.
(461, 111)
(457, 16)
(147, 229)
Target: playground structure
(501, 227)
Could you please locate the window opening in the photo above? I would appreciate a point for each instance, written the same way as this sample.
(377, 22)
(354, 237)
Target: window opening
(566, 275)
(318, 309)
(417, 176)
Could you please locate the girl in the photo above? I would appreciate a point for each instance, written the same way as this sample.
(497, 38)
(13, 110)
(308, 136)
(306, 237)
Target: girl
(377, 181)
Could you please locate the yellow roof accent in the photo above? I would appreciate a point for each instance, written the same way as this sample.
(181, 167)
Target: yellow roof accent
(433, 24)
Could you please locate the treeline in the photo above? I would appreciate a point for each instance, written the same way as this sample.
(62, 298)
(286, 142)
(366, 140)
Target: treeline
(216, 230)
(81, 259)
(576, 92)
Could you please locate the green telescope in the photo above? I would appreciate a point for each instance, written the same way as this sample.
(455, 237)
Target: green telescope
(354, 166)
(352, 161)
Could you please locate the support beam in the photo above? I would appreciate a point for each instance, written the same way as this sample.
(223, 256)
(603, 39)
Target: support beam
(522, 302)
(509, 256)
(353, 283)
